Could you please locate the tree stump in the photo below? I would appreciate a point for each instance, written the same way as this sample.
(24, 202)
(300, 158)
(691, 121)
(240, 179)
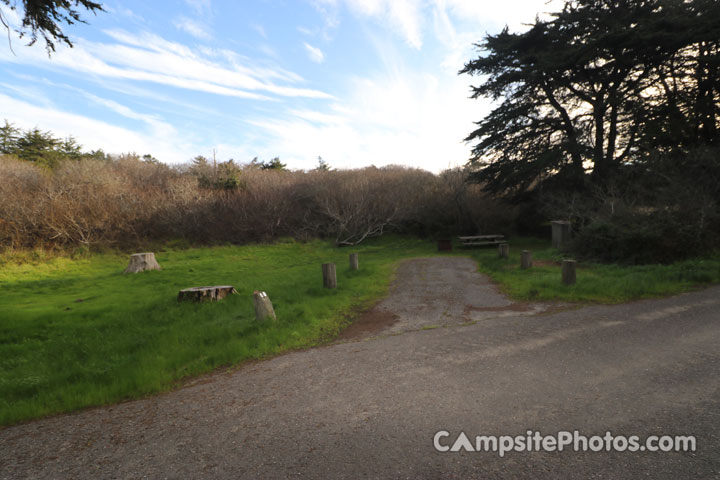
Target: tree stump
(503, 250)
(206, 294)
(140, 262)
(354, 263)
(526, 259)
(329, 277)
(568, 272)
(263, 307)
(561, 233)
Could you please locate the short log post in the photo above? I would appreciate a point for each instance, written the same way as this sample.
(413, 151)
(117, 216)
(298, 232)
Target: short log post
(263, 307)
(503, 250)
(568, 272)
(561, 233)
(329, 277)
(205, 294)
(526, 259)
(354, 262)
(140, 262)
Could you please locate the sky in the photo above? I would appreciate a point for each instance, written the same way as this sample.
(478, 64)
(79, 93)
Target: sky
(356, 82)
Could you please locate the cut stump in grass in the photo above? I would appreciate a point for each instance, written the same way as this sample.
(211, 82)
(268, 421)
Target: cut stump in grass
(561, 233)
(263, 307)
(205, 294)
(354, 262)
(329, 276)
(568, 272)
(140, 262)
(503, 250)
(526, 259)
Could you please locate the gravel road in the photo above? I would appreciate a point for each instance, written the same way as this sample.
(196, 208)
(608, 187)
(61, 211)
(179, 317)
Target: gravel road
(445, 351)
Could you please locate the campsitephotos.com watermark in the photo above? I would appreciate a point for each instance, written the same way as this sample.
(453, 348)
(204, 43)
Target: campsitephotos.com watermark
(562, 441)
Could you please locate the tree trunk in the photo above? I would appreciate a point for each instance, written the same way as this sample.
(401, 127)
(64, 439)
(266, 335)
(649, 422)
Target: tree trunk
(206, 294)
(140, 262)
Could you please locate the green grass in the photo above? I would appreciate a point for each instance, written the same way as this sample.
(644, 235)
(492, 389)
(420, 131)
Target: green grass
(596, 283)
(76, 332)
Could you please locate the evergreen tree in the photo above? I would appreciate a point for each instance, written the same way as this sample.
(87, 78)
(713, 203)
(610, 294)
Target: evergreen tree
(39, 147)
(592, 89)
(322, 165)
(9, 136)
(274, 164)
(44, 18)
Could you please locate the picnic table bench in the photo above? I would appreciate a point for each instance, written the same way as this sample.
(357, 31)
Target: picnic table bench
(478, 240)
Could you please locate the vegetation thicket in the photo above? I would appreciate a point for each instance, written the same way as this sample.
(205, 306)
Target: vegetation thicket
(608, 114)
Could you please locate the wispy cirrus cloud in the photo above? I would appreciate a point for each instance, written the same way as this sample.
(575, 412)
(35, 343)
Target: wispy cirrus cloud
(150, 58)
(200, 7)
(160, 139)
(191, 27)
(410, 18)
(315, 54)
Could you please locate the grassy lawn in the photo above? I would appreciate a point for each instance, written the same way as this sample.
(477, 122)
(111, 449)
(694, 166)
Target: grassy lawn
(76, 333)
(596, 283)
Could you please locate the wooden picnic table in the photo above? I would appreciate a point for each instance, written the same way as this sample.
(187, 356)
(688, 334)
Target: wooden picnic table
(478, 240)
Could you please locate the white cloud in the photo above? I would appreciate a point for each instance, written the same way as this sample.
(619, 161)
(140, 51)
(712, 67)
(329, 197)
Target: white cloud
(405, 117)
(148, 57)
(306, 31)
(260, 30)
(199, 6)
(407, 17)
(160, 139)
(191, 27)
(315, 54)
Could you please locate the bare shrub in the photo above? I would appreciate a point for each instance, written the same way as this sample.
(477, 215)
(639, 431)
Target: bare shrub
(127, 201)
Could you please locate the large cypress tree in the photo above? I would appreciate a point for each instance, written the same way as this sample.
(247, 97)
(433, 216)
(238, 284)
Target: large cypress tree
(593, 89)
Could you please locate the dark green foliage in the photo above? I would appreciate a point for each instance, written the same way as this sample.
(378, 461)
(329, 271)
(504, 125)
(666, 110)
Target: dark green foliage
(608, 115)
(216, 176)
(44, 18)
(322, 165)
(41, 148)
(599, 86)
(273, 164)
(665, 208)
(9, 135)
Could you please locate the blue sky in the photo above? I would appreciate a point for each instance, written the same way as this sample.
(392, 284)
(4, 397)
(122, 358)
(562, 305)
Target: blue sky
(358, 82)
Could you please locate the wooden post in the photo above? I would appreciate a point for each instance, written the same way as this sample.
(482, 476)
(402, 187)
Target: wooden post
(140, 262)
(503, 250)
(206, 294)
(329, 277)
(561, 233)
(568, 272)
(263, 307)
(526, 259)
(354, 264)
